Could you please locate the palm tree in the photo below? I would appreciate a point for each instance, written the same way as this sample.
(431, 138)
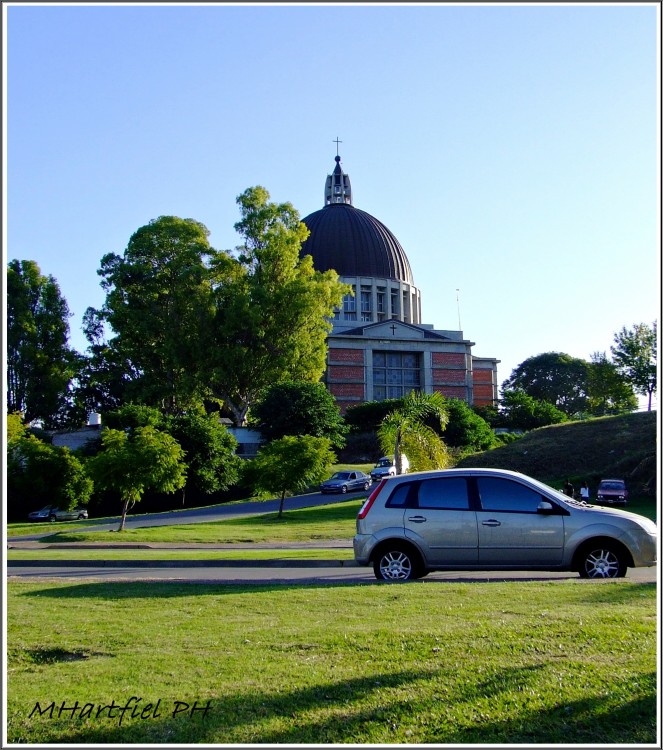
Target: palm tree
(404, 431)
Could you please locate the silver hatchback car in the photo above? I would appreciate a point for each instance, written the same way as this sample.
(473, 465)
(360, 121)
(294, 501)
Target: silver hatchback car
(491, 519)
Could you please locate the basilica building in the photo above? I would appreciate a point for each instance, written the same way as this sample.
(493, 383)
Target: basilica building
(378, 347)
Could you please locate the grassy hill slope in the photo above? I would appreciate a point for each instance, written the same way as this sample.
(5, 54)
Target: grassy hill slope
(623, 446)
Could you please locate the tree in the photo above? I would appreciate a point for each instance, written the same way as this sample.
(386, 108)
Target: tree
(40, 363)
(106, 378)
(465, 428)
(288, 465)
(299, 408)
(608, 390)
(40, 473)
(557, 378)
(159, 304)
(518, 410)
(404, 430)
(209, 451)
(634, 354)
(132, 461)
(367, 416)
(132, 416)
(272, 309)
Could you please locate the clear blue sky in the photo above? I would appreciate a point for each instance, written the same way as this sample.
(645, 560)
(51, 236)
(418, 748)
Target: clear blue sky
(513, 150)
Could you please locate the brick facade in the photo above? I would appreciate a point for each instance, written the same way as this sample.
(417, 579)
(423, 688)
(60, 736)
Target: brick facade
(345, 372)
(449, 359)
(346, 355)
(448, 376)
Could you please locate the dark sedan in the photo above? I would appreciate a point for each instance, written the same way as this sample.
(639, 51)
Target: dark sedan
(346, 481)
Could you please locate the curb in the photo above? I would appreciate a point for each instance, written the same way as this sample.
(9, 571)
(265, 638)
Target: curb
(182, 564)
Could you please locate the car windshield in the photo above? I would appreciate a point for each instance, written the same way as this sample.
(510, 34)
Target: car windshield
(383, 462)
(612, 485)
(341, 475)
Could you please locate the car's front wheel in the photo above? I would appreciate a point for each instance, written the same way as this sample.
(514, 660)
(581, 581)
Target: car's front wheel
(602, 561)
(80, 516)
(52, 519)
(397, 564)
(344, 488)
(366, 485)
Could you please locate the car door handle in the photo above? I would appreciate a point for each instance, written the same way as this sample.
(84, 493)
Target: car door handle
(417, 519)
(492, 522)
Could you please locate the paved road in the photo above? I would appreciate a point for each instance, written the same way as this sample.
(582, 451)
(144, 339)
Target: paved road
(313, 573)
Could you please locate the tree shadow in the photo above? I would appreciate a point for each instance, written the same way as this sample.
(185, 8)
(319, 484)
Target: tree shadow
(608, 592)
(114, 591)
(332, 713)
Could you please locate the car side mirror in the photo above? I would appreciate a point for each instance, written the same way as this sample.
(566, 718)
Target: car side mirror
(545, 507)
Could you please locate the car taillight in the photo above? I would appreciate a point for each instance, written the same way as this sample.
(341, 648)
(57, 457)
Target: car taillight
(370, 500)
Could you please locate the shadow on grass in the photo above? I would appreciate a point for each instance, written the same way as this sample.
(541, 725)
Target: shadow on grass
(159, 590)
(384, 708)
(610, 592)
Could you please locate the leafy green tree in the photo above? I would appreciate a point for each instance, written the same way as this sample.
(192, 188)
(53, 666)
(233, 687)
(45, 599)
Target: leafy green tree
(465, 428)
(404, 430)
(15, 427)
(272, 308)
(209, 451)
(608, 390)
(518, 410)
(289, 465)
(39, 473)
(133, 461)
(40, 363)
(299, 408)
(132, 416)
(106, 379)
(557, 378)
(159, 304)
(367, 416)
(634, 354)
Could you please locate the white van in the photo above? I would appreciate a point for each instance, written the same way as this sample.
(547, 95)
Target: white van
(386, 467)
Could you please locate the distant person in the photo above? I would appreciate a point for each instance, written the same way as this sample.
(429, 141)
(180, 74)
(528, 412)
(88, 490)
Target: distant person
(584, 492)
(568, 488)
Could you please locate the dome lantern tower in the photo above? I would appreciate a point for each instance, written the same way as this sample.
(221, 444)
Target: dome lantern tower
(337, 186)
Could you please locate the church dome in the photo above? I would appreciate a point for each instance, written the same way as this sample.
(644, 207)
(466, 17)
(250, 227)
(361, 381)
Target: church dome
(354, 243)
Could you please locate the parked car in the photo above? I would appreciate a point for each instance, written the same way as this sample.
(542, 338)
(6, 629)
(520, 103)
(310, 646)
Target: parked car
(346, 481)
(386, 467)
(490, 519)
(53, 513)
(612, 491)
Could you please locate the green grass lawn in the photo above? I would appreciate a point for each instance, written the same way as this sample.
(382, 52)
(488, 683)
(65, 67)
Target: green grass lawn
(333, 521)
(425, 662)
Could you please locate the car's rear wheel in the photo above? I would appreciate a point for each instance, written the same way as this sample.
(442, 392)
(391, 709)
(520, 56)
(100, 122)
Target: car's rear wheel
(397, 563)
(344, 488)
(602, 560)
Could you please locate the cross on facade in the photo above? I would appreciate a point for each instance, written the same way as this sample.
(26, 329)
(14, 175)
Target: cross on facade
(393, 329)
(337, 142)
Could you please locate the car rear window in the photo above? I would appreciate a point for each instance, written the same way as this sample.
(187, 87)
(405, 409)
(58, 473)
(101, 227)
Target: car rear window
(448, 494)
(398, 498)
(506, 495)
